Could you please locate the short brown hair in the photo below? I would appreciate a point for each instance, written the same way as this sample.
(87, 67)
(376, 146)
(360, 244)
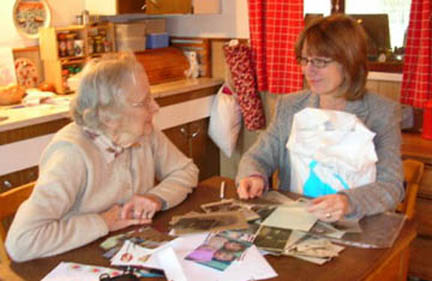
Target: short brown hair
(342, 39)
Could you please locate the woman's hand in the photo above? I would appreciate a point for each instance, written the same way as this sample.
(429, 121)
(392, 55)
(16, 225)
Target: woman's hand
(113, 219)
(330, 208)
(250, 187)
(141, 207)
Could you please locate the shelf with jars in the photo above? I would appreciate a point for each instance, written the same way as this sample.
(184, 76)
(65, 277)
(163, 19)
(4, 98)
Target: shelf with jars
(65, 50)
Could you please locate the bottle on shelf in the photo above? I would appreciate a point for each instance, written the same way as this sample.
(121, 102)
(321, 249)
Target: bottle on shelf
(70, 44)
(90, 45)
(62, 44)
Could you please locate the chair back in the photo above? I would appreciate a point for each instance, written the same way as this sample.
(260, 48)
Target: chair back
(413, 172)
(10, 201)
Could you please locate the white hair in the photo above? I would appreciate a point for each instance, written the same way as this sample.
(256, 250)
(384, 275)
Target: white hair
(101, 94)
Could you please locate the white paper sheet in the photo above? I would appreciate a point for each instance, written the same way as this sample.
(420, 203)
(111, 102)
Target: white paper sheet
(171, 265)
(253, 266)
(69, 271)
(291, 218)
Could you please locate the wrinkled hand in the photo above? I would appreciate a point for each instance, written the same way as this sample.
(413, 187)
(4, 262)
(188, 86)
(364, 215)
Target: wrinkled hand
(250, 187)
(330, 208)
(114, 221)
(141, 207)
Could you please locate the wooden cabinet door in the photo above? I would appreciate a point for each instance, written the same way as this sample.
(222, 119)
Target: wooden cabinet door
(168, 6)
(131, 6)
(204, 152)
(193, 141)
(158, 7)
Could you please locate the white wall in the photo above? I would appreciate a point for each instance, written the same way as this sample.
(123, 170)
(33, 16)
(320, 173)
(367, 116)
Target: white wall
(233, 22)
(62, 13)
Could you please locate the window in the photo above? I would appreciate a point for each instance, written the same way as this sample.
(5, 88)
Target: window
(386, 22)
(316, 7)
(398, 12)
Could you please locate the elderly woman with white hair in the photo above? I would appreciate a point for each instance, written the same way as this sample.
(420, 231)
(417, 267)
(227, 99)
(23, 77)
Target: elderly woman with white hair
(98, 173)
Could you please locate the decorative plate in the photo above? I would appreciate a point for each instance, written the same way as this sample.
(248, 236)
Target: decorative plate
(29, 15)
(26, 73)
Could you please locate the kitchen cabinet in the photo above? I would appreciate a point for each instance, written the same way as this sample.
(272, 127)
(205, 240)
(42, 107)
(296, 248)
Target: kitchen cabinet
(159, 7)
(152, 7)
(29, 174)
(415, 147)
(192, 139)
(65, 50)
(149, 7)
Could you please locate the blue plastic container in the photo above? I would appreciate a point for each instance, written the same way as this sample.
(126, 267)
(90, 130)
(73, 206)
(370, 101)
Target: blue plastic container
(157, 40)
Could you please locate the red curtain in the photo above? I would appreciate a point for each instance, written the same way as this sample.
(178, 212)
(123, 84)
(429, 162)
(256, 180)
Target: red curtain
(417, 69)
(274, 27)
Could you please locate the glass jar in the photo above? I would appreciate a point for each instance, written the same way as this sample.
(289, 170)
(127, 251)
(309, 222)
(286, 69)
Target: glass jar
(70, 44)
(90, 45)
(107, 45)
(62, 45)
(98, 45)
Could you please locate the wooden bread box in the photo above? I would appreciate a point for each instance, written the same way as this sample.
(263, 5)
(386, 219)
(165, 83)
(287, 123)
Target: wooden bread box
(164, 64)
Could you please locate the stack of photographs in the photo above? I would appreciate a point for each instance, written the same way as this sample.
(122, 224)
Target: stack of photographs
(146, 237)
(311, 248)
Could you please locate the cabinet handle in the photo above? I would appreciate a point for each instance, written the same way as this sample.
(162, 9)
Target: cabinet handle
(183, 131)
(195, 134)
(7, 184)
(144, 6)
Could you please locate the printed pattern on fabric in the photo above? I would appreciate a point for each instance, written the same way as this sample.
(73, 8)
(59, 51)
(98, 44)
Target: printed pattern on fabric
(238, 59)
(315, 186)
(274, 27)
(417, 69)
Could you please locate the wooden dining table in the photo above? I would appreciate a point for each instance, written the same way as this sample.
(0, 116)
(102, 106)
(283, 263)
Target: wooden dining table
(352, 264)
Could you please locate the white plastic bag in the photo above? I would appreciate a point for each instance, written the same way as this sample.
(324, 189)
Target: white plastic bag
(330, 151)
(225, 120)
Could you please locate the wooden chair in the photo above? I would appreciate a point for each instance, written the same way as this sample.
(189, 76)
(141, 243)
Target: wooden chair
(413, 172)
(10, 201)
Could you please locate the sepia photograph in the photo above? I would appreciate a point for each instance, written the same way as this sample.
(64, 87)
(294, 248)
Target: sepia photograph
(209, 222)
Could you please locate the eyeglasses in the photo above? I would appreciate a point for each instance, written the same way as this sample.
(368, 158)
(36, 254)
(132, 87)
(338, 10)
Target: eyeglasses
(316, 62)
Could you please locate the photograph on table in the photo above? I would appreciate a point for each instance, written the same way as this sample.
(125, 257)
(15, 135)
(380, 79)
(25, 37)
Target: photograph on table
(247, 234)
(218, 251)
(211, 222)
(146, 237)
(272, 238)
(230, 205)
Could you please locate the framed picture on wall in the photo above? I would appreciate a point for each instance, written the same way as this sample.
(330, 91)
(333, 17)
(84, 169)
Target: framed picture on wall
(30, 15)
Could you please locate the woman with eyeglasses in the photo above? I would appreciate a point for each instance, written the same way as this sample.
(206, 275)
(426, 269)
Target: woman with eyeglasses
(98, 173)
(332, 52)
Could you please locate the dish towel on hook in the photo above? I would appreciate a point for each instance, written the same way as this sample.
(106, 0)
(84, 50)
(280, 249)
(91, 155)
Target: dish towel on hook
(239, 60)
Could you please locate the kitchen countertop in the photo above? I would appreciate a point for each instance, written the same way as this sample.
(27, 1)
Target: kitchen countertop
(18, 116)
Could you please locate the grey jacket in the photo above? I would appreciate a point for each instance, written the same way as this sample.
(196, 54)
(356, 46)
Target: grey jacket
(379, 114)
